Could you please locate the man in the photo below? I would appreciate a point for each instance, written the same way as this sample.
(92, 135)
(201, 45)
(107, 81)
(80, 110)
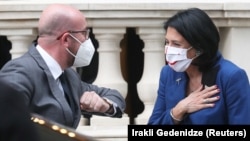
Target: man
(15, 123)
(63, 42)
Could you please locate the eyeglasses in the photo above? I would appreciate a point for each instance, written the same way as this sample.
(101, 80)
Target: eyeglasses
(85, 33)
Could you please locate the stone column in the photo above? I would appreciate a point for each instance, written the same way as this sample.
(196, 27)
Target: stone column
(154, 60)
(109, 69)
(21, 40)
(235, 45)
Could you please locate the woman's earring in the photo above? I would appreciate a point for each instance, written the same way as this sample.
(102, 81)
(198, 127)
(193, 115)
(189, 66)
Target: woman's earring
(198, 53)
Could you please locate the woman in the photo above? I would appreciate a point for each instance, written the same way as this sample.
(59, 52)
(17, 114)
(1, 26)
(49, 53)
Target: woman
(199, 86)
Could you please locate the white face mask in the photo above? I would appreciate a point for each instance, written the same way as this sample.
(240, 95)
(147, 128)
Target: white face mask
(84, 54)
(177, 58)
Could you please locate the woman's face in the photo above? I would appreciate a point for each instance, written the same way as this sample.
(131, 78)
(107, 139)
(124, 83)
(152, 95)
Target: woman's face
(175, 39)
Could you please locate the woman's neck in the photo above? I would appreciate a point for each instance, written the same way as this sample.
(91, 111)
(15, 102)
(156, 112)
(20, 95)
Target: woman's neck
(195, 77)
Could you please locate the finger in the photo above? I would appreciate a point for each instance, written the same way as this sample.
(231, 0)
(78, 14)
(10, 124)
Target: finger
(86, 99)
(210, 100)
(92, 104)
(84, 107)
(205, 101)
(210, 92)
(96, 102)
(208, 105)
(99, 105)
(211, 88)
(213, 99)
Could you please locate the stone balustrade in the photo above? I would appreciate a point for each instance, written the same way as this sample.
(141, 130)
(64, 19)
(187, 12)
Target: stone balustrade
(109, 21)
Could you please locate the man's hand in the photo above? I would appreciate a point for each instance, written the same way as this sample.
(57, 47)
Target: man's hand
(92, 102)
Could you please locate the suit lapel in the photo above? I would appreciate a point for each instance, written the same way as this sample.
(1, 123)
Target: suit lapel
(53, 86)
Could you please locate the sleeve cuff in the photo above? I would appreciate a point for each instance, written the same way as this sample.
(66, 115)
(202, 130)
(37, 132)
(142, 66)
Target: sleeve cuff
(114, 105)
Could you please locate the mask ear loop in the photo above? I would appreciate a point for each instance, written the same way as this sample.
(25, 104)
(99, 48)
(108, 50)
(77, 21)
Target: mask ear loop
(75, 38)
(197, 54)
(189, 48)
(67, 49)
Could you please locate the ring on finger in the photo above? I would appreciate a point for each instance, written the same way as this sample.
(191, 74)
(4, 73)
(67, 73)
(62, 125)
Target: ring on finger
(205, 101)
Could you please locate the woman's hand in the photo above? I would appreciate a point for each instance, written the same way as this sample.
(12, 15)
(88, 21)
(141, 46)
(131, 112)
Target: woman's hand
(197, 100)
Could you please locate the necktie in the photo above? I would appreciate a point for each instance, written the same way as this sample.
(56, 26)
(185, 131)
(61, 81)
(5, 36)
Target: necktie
(66, 90)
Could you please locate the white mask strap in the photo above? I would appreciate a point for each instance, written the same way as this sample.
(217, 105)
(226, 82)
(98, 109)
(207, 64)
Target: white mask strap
(75, 38)
(77, 41)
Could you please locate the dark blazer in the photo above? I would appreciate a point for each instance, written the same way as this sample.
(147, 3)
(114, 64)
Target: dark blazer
(30, 76)
(15, 122)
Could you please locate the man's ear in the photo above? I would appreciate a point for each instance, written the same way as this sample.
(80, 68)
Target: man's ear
(65, 40)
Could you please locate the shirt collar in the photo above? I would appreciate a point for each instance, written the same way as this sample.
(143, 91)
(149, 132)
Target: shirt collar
(52, 64)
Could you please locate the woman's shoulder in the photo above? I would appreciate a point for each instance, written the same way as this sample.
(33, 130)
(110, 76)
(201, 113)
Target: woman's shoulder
(229, 70)
(228, 65)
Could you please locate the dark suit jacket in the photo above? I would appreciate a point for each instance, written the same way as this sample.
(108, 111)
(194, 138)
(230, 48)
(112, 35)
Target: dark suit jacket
(15, 121)
(30, 76)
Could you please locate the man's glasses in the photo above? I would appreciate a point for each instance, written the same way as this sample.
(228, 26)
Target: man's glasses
(85, 33)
